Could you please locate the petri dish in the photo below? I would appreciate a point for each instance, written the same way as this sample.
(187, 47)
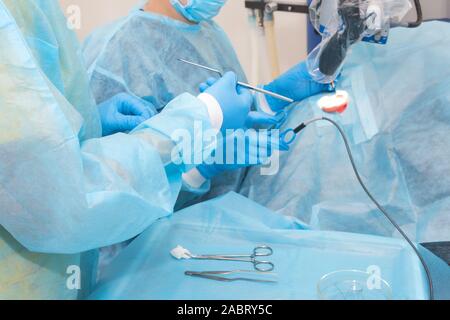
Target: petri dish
(353, 285)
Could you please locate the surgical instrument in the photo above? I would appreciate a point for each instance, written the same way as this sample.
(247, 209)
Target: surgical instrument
(221, 275)
(242, 84)
(259, 265)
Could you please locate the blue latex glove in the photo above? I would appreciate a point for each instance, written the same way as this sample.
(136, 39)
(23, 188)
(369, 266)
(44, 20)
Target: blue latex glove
(123, 113)
(234, 101)
(255, 119)
(296, 84)
(259, 147)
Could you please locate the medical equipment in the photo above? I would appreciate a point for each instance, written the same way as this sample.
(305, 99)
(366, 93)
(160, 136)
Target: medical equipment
(353, 285)
(290, 135)
(221, 275)
(342, 23)
(259, 251)
(242, 84)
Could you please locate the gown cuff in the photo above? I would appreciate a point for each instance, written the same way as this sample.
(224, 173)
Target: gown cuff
(214, 110)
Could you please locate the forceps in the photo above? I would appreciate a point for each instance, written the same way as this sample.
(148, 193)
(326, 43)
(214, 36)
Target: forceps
(259, 265)
(242, 84)
(224, 275)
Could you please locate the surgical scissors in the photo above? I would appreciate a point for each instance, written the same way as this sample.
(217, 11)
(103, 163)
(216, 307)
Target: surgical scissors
(258, 265)
(242, 84)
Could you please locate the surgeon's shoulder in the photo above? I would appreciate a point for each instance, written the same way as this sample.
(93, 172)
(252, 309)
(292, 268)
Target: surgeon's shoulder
(212, 25)
(104, 32)
(215, 28)
(96, 42)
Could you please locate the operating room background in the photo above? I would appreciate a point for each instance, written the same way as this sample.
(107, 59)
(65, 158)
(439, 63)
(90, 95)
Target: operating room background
(290, 27)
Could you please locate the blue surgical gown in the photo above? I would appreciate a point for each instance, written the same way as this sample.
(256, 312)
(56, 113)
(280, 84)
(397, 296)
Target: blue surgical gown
(398, 124)
(64, 188)
(139, 55)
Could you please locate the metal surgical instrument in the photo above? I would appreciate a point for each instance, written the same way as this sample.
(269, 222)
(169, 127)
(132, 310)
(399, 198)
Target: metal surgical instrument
(242, 84)
(259, 265)
(221, 275)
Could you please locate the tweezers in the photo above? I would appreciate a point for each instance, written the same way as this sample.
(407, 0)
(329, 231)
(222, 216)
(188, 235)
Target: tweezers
(221, 275)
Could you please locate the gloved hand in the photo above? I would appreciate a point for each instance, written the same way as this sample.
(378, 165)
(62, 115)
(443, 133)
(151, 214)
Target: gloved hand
(254, 119)
(234, 101)
(259, 147)
(123, 113)
(296, 84)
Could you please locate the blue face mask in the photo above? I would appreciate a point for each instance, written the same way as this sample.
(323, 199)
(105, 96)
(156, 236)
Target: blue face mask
(199, 10)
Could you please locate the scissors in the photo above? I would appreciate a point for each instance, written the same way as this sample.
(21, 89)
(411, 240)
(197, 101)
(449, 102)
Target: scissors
(258, 265)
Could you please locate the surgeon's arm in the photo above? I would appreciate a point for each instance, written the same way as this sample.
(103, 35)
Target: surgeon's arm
(61, 189)
(62, 195)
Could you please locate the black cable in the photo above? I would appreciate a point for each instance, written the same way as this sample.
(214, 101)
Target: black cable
(419, 19)
(386, 214)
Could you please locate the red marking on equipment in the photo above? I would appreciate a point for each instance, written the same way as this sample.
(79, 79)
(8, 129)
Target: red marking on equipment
(335, 103)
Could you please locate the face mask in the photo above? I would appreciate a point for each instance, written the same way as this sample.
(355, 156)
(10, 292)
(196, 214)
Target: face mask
(199, 10)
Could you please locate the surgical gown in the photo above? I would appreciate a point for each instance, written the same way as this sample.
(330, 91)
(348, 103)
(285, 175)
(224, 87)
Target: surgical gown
(139, 55)
(63, 188)
(398, 124)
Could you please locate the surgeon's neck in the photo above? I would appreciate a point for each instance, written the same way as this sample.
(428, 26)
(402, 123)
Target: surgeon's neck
(165, 8)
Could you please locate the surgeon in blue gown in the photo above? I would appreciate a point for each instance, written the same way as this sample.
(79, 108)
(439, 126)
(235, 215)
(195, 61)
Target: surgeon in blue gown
(138, 54)
(70, 181)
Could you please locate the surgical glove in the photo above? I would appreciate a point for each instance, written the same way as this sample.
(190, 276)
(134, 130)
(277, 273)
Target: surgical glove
(258, 120)
(123, 113)
(296, 84)
(255, 119)
(229, 156)
(234, 101)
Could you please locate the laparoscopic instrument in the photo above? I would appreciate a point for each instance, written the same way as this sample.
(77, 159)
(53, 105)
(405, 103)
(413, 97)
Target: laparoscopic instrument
(253, 258)
(289, 136)
(242, 84)
(224, 276)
